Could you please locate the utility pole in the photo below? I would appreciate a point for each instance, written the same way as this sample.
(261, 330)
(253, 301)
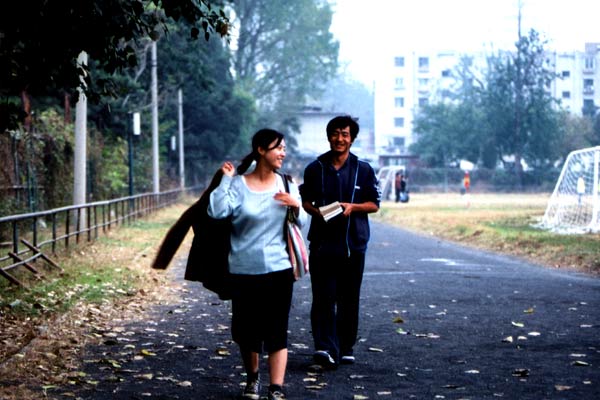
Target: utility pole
(181, 165)
(80, 158)
(154, 89)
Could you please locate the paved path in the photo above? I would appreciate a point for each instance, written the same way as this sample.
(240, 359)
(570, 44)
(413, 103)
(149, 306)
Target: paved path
(459, 308)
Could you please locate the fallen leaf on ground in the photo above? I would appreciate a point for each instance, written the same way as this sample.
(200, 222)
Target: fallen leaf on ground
(561, 388)
(520, 372)
(580, 363)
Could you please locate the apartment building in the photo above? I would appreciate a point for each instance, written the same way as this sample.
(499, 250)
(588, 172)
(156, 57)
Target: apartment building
(406, 81)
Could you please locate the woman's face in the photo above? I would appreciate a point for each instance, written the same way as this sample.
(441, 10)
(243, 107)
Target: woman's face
(275, 155)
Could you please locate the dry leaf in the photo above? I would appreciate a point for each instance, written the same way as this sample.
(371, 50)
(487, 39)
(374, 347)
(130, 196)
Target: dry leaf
(580, 363)
(561, 388)
(520, 372)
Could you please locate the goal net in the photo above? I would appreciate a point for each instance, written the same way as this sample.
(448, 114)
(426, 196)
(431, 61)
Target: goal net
(575, 202)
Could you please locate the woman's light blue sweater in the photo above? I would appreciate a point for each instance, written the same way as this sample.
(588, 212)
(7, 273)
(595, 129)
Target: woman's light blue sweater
(257, 241)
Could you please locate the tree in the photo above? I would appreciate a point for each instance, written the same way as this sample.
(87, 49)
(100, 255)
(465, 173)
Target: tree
(218, 117)
(594, 137)
(284, 52)
(40, 41)
(438, 139)
(348, 96)
(520, 110)
(577, 133)
(452, 129)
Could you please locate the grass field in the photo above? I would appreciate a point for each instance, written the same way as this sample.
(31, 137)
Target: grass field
(497, 222)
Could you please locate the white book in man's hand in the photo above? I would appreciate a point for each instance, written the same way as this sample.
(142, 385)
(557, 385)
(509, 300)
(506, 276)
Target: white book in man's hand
(331, 210)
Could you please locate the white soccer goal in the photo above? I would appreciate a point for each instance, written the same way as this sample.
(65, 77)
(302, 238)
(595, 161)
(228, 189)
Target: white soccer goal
(575, 202)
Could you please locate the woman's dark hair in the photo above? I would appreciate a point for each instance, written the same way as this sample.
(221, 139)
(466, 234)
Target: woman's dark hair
(263, 138)
(342, 121)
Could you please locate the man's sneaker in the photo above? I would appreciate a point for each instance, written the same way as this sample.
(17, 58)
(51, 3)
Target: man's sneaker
(324, 359)
(349, 359)
(252, 390)
(276, 395)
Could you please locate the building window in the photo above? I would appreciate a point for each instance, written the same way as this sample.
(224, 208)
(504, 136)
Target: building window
(399, 102)
(398, 141)
(423, 101)
(423, 82)
(590, 63)
(588, 86)
(566, 74)
(446, 73)
(423, 62)
(399, 122)
(566, 95)
(399, 61)
(399, 83)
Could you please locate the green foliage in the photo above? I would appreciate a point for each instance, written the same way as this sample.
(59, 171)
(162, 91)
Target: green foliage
(517, 103)
(285, 53)
(36, 165)
(505, 110)
(218, 117)
(345, 95)
(41, 41)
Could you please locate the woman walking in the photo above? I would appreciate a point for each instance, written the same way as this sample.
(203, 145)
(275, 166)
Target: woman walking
(257, 203)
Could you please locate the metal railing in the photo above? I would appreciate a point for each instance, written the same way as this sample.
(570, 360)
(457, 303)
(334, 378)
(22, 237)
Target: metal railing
(32, 233)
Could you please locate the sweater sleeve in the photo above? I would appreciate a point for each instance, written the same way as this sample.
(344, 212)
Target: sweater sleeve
(224, 199)
(302, 216)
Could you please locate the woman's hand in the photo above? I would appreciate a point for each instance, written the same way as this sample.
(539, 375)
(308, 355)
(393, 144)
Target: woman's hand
(228, 168)
(286, 199)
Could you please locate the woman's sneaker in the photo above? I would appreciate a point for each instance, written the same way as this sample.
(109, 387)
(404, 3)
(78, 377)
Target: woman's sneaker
(252, 390)
(276, 395)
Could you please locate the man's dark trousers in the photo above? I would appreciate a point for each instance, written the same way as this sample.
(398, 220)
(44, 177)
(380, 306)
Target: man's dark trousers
(336, 282)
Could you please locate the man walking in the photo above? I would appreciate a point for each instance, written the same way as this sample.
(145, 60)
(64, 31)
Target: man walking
(338, 245)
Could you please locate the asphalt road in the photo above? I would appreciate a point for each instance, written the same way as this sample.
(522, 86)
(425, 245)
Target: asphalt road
(438, 321)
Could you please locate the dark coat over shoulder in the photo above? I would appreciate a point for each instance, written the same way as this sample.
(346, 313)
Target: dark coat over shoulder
(208, 257)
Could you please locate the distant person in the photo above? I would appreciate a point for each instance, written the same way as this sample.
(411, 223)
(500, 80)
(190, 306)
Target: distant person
(580, 189)
(262, 276)
(466, 182)
(399, 186)
(338, 246)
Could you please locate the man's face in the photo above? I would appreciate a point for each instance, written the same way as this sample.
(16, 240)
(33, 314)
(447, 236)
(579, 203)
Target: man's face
(340, 140)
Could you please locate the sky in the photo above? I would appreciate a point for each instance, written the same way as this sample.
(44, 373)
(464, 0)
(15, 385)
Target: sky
(365, 28)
